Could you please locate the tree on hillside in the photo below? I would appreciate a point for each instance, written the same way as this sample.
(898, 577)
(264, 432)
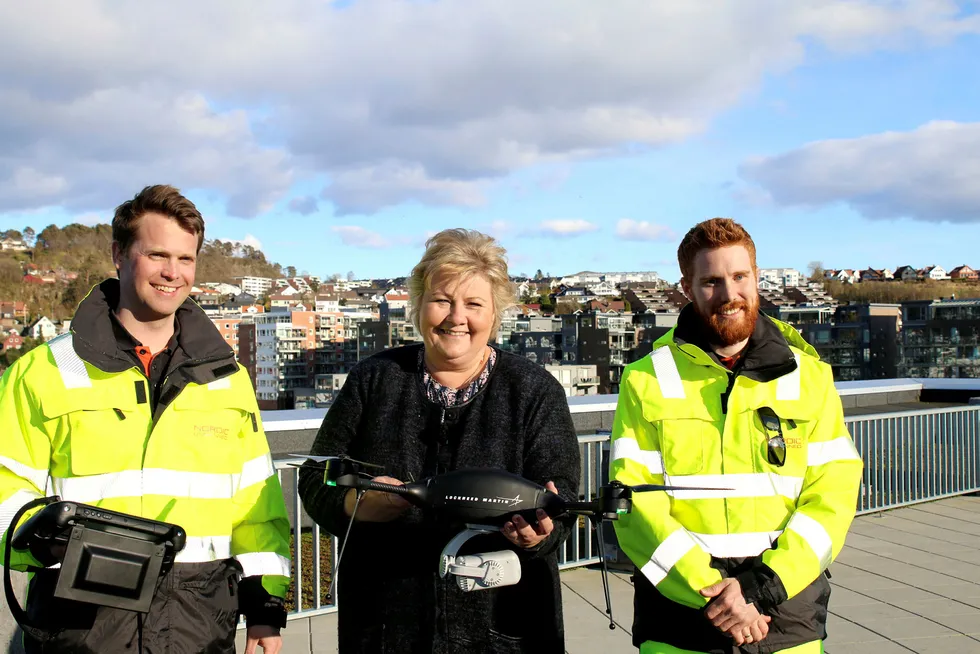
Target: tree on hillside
(566, 307)
(815, 271)
(29, 236)
(85, 251)
(350, 275)
(290, 271)
(10, 273)
(896, 291)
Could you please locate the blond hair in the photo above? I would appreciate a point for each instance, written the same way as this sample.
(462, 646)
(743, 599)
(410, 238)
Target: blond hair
(463, 253)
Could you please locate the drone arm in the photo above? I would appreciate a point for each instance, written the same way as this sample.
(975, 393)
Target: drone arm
(590, 509)
(410, 493)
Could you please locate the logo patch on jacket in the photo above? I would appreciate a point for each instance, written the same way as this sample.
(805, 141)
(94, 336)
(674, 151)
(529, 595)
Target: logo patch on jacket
(211, 431)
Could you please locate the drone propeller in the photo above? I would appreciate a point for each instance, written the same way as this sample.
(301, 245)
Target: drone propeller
(320, 462)
(645, 488)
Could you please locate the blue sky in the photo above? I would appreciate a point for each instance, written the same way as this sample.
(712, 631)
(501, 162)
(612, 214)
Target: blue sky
(584, 137)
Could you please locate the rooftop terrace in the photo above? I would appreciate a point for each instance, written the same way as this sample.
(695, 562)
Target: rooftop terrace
(908, 579)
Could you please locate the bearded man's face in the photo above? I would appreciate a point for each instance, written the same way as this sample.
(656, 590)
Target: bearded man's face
(725, 292)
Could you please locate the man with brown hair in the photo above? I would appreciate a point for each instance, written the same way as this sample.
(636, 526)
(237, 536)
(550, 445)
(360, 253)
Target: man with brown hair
(142, 409)
(738, 409)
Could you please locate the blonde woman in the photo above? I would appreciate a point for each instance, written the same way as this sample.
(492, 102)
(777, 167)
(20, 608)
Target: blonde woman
(454, 401)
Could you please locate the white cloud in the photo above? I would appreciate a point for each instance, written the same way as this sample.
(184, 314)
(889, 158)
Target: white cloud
(643, 230)
(370, 188)
(563, 228)
(356, 236)
(497, 228)
(99, 98)
(929, 173)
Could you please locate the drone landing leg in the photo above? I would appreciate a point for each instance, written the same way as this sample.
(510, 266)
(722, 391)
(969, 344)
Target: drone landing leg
(597, 527)
(336, 568)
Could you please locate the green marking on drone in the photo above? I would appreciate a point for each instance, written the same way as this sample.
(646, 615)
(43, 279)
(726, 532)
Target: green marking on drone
(621, 511)
(331, 483)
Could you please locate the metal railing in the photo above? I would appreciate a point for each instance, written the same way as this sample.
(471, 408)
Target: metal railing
(909, 457)
(917, 456)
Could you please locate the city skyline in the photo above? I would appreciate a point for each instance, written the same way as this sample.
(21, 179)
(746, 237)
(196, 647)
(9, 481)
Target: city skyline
(584, 136)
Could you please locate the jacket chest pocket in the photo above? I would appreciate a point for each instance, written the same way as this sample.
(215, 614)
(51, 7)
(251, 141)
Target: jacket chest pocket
(206, 428)
(94, 433)
(105, 440)
(684, 443)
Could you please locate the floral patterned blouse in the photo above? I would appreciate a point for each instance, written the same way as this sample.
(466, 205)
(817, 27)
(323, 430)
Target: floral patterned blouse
(450, 397)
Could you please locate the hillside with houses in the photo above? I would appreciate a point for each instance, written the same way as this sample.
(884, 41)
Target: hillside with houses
(299, 335)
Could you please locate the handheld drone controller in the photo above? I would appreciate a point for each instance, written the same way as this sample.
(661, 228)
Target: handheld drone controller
(111, 559)
(54, 523)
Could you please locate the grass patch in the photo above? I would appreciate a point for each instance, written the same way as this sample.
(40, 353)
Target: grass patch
(308, 582)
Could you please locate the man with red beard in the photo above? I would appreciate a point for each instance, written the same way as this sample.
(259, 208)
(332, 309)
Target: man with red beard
(738, 410)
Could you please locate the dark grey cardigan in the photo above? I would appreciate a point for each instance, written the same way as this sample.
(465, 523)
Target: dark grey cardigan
(391, 599)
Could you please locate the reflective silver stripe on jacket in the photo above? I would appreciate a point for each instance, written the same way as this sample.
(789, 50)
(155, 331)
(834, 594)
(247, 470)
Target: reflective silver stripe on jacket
(628, 448)
(70, 365)
(815, 535)
(682, 541)
(668, 376)
(162, 481)
(788, 386)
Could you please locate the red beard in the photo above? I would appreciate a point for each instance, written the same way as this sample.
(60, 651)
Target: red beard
(725, 331)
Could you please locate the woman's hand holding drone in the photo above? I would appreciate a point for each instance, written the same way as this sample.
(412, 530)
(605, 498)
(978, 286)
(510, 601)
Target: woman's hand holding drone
(377, 506)
(521, 533)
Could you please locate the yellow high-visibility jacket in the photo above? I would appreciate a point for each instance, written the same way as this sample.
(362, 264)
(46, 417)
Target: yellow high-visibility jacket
(83, 429)
(684, 419)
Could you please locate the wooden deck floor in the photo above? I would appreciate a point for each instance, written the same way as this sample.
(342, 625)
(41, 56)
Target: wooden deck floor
(908, 580)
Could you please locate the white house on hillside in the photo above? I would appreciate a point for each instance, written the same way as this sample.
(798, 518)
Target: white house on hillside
(604, 289)
(583, 278)
(42, 328)
(936, 273)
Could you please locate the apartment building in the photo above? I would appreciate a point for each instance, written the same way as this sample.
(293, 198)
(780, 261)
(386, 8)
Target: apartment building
(228, 327)
(285, 346)
(941, 338)
(575, 380)
(782, 277)
(255, 286)
(862, 342)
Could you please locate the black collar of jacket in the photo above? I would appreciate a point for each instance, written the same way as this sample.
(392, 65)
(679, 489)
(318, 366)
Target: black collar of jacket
(766, 357)
(199, 342)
